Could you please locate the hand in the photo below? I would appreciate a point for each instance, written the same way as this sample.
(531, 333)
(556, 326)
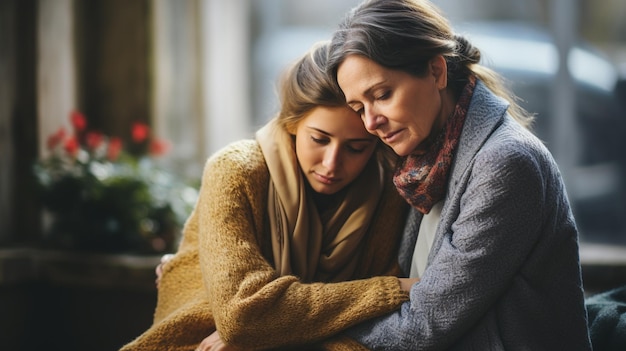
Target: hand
(407, 283)
(213, 342)
(159, 268)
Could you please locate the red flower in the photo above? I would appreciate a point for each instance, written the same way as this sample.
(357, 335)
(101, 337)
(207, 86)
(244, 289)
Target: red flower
(159, 147)
(115, 147)
(71, 145)
(78, 121)
(93, 140)
(140, 132)
(56, 138)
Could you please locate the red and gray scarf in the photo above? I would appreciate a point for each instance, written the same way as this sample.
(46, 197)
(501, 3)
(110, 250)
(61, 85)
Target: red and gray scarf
(422, 179)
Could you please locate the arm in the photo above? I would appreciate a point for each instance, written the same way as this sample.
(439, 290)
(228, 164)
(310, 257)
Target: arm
(497, 222)
(253, 307)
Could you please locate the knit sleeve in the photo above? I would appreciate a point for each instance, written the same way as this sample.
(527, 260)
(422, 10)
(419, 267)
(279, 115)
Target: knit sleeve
(495, 229)
(253, 307)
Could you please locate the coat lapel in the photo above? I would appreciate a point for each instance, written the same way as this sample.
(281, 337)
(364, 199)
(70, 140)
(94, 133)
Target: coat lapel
(486, 112)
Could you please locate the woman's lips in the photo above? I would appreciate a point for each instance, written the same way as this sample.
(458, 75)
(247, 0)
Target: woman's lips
(324, 179)
(391, 137)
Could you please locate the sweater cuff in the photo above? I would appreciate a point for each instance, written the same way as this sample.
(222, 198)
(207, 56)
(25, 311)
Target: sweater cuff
(391, 286)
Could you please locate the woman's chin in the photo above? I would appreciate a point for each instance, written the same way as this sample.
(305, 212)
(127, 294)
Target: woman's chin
(400, 149)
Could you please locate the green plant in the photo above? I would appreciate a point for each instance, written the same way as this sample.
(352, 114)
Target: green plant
(102, 197)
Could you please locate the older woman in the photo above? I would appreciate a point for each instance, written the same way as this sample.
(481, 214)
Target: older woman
(495, 243)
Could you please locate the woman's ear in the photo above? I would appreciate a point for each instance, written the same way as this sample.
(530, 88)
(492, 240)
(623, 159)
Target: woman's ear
(291, 128)
(439, 70)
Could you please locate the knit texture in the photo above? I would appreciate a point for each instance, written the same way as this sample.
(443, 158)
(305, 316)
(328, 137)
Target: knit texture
(607, 319)
(222, 274)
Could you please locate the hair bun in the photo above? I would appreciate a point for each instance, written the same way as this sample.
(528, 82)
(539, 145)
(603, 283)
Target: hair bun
(467, 52)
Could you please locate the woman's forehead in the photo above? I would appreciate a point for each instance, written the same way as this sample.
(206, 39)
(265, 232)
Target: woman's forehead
(339, 121)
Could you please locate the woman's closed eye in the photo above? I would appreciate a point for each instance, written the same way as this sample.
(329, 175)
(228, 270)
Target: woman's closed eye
(354, 147)
(383, 96)
(321, 141)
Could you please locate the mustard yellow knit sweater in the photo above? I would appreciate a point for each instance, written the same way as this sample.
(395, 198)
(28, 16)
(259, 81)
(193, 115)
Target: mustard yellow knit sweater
(222, 274)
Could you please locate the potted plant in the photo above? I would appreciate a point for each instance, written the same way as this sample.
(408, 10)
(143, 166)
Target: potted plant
(103, 198)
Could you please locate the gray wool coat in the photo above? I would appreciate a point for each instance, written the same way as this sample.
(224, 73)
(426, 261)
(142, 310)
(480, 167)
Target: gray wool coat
(504, 271)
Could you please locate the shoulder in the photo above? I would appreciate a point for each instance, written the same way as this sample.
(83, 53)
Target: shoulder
(514, 152)
(243, 156)
(240, 162)
(238, 152)
(511, 139)
(502, 138)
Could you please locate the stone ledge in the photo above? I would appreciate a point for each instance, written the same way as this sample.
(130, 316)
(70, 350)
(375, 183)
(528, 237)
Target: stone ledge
(602, 255)
(604, 267)
(118, 271)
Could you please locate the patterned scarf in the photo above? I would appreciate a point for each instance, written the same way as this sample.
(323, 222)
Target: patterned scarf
(422, 179)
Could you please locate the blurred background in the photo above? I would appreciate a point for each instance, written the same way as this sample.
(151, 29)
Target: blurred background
(199, 74)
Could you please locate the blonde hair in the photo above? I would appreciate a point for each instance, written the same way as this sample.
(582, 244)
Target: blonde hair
(306, 85)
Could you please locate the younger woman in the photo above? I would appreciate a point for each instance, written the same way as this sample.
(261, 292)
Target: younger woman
(281, 223)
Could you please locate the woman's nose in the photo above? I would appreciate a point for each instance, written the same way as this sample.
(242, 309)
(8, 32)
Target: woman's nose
(331, 158)
(371, 119)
